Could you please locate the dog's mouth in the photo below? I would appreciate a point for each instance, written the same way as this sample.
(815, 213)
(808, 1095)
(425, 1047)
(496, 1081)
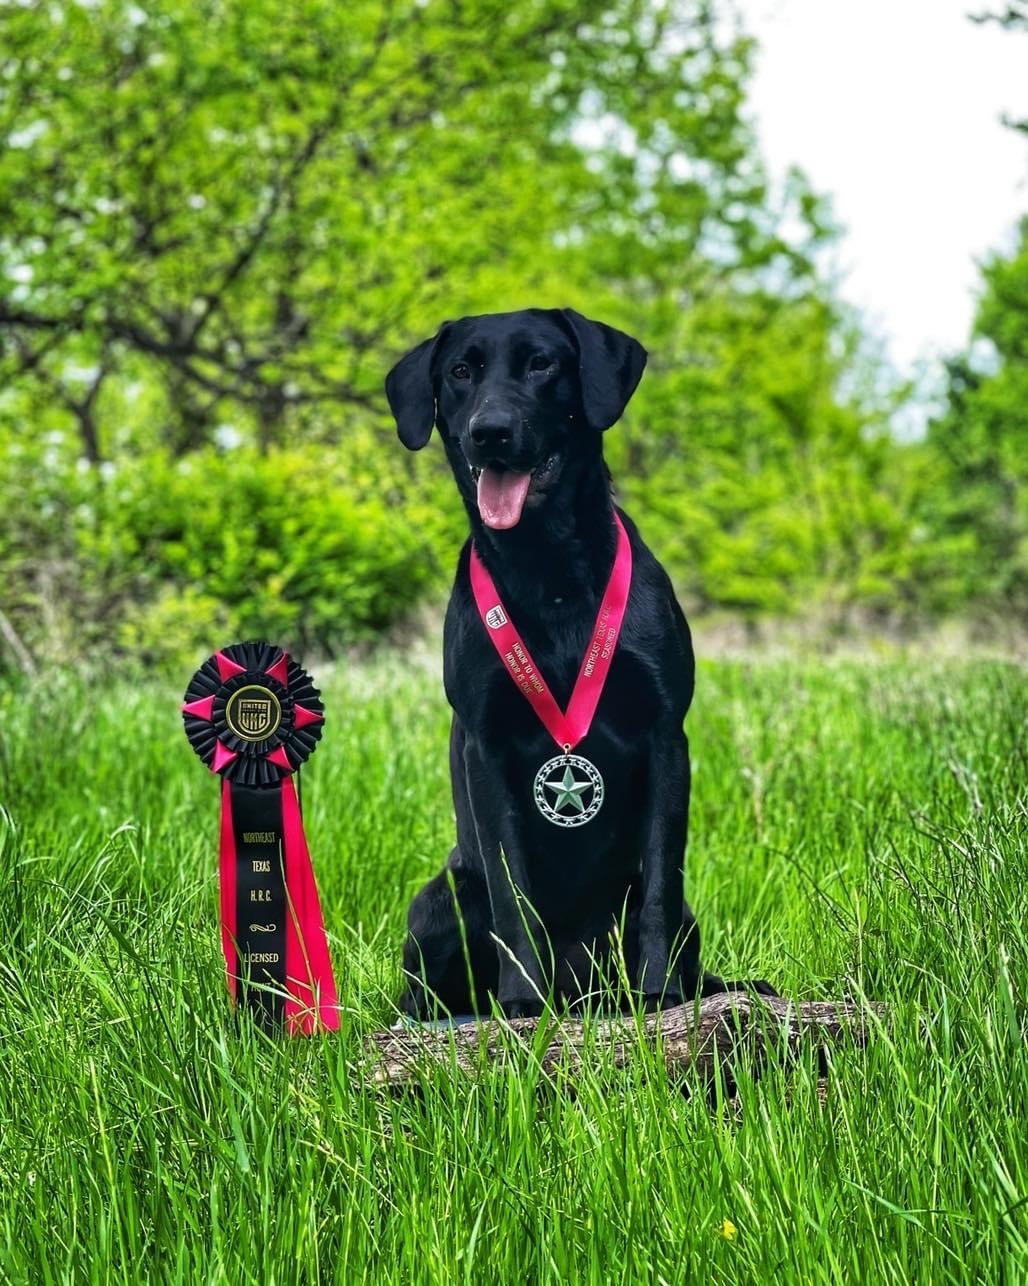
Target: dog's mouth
(503, 493)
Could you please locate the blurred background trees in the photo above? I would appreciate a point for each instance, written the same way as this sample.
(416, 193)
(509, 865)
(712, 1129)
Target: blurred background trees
(220, 222)
(979, 445)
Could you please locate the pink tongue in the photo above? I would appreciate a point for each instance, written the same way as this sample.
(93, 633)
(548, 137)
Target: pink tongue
(501, 497)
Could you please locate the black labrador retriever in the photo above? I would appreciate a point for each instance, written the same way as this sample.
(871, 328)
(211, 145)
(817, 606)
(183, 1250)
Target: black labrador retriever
(527, 909)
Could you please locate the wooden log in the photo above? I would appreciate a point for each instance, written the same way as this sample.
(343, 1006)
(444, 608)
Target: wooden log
(698, 1036)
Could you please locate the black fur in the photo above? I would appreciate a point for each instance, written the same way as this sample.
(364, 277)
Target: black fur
(535, 390)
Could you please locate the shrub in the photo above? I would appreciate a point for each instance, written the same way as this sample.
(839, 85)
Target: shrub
(158, 557)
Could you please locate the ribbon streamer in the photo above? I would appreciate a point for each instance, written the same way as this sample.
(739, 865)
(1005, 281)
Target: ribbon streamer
(254, 716)
(566, 727)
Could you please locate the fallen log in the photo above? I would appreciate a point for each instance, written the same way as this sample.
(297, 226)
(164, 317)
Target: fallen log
(697, 1036)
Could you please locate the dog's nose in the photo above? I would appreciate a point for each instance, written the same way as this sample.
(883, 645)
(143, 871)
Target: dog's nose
(491, 429)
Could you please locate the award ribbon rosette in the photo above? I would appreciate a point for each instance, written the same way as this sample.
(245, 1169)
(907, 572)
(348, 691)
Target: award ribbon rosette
(254, 716)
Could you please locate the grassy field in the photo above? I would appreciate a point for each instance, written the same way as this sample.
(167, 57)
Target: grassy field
(858, 829)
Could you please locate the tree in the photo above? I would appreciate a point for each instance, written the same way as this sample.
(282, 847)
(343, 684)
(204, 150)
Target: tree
(977, 450)
(982, 440)
(222, 220)
(248, 202)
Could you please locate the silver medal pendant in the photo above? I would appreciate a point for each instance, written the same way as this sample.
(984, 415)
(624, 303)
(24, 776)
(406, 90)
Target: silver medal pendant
(568, 790)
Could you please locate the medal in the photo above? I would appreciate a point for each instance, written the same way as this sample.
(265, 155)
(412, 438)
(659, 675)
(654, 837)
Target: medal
(568, 789)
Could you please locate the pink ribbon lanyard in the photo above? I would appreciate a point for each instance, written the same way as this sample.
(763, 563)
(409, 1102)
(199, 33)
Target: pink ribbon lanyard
(566, 727)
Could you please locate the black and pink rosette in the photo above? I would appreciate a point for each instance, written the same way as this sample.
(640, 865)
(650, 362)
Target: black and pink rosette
(254, 717)
(223, 710)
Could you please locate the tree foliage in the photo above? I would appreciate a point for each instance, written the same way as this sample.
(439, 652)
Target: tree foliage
(977, 449)
(253, 200)
(221, 221)
(980, 444)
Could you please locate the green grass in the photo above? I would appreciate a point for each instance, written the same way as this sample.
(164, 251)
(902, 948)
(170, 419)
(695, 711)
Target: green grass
(858, 828)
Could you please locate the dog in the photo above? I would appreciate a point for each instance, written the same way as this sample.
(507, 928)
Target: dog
(526, 911)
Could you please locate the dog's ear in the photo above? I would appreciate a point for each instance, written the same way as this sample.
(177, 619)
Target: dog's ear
(611, 366)
(411, 392)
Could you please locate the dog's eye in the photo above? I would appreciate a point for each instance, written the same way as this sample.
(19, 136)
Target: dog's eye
(462, 371)
(540, 362)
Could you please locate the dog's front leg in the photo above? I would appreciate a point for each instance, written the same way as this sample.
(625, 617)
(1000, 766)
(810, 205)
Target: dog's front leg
(668, 948)
(521, 987)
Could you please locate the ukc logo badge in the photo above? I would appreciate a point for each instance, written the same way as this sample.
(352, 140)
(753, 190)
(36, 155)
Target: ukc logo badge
(253, 713)
(495, 617)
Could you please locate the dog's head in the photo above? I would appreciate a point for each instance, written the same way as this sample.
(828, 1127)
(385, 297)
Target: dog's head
(519, 398)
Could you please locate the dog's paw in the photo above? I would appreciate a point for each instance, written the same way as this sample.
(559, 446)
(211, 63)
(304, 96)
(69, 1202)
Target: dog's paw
(416, 1005)
(712, 985)
(650, 1004)
(761, 986)
(520, 1007)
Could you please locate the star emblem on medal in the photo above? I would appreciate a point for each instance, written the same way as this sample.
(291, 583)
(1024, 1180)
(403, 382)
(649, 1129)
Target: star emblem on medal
(568, 790)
